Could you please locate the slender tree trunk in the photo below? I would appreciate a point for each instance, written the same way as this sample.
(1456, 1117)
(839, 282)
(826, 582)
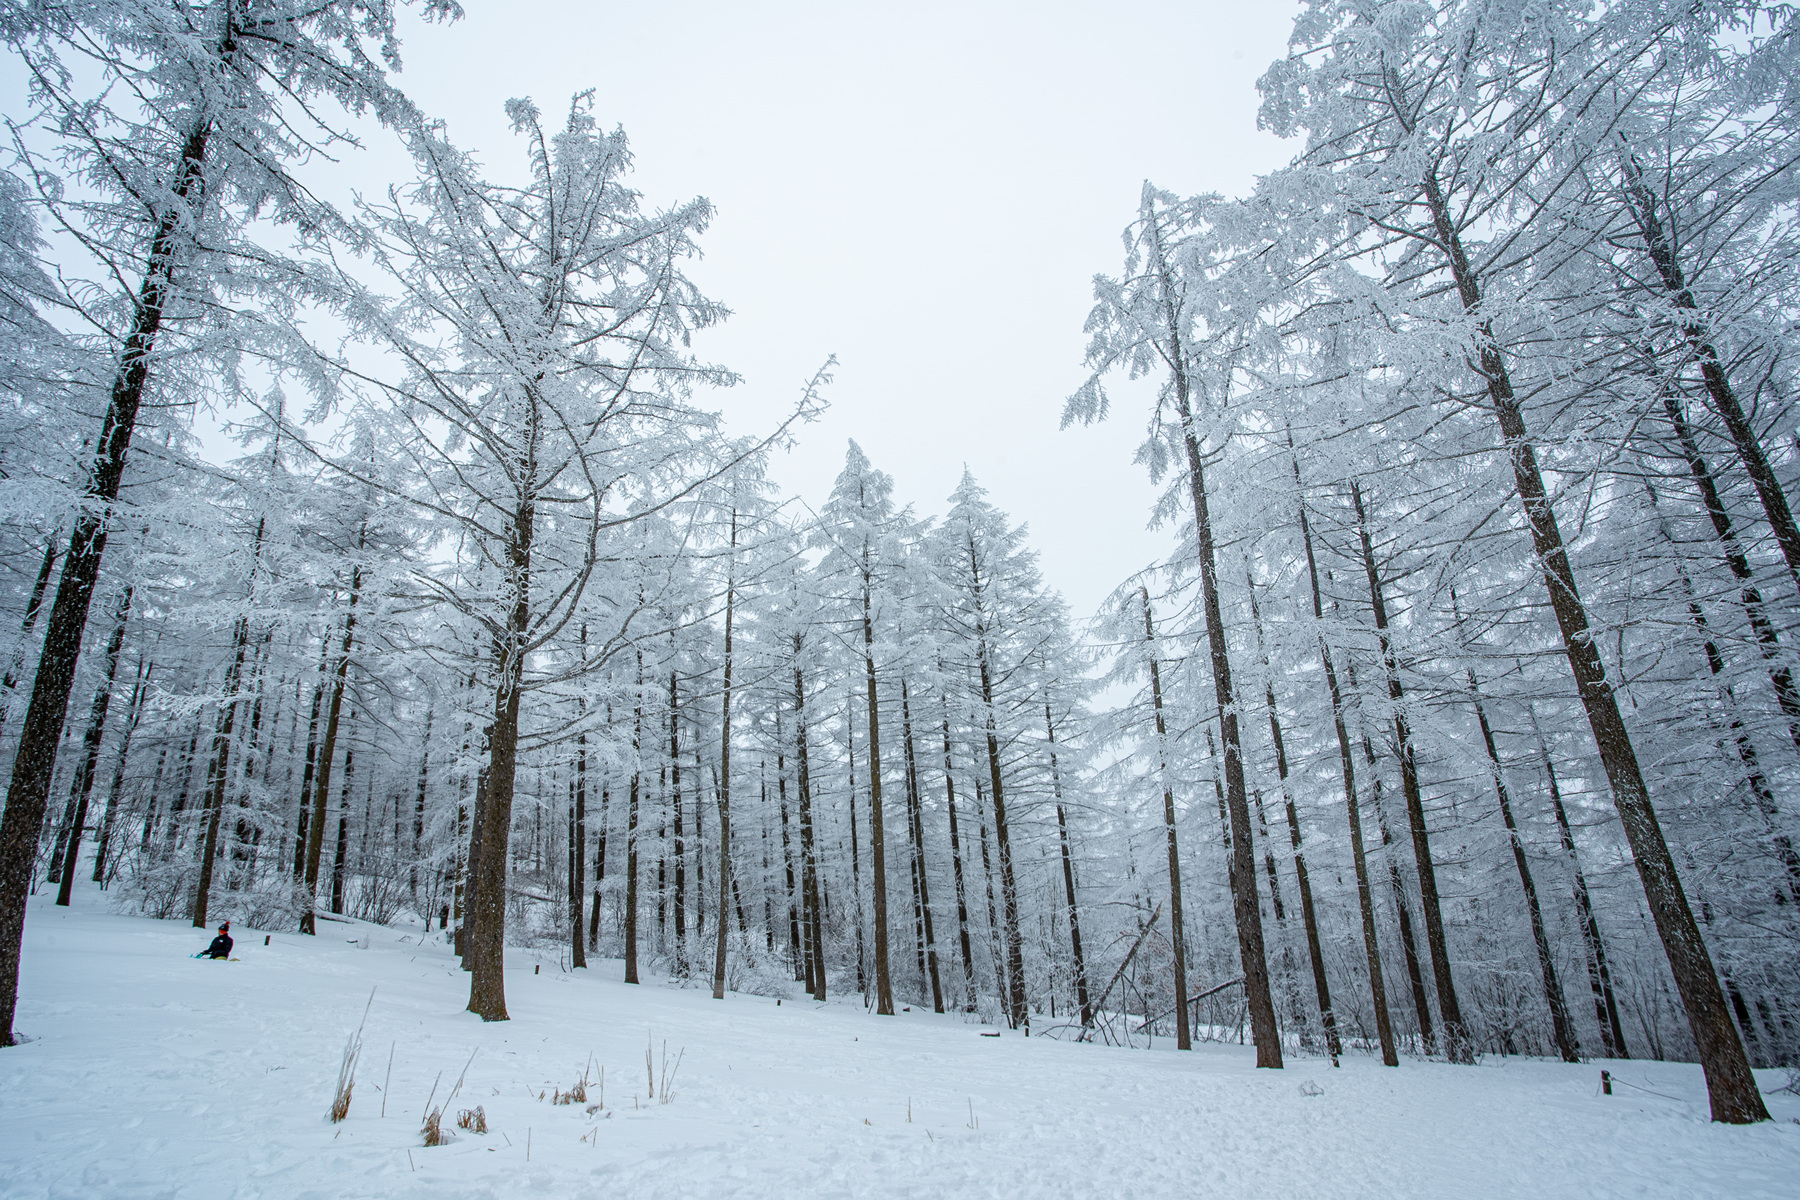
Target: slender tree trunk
(799, 945)
(1384, 1028)
(1661, 249)
(1001, 991)
(956, 869)
(340, 857)
(1308, 913)
(9, 683)
(1068, 872)
(884, 986)
(1246, 908)
(578, 857)
(725, 778)
(134, 712)
(680, 831)
(1606, 1009)
(1562, 1029)
(321, 794)
(310, 765)
(1730, 1085)
(1456, 1038)
(213, 806)
(631, 830)
(1184, 1039)
(90, 752)
(814, 915)
(418, 823)
(916, 813)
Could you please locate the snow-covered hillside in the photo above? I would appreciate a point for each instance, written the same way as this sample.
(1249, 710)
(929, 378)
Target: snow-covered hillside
(151, 1074)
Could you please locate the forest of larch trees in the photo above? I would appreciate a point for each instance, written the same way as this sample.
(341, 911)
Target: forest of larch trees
(1462, 722)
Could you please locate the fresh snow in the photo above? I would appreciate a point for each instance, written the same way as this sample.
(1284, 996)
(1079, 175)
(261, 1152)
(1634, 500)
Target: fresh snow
(152, 1074)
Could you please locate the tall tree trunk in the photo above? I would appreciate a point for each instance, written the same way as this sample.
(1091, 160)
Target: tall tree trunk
(1606, 1008)
(321, 795)
(631, 829)
(956, 869)
(916, 813)
(1246, 908)
(418, 821)
(134, 712)
(1661, 249)
(1184, 1039)
(487, 927)
(90, 751)
(814, 915)
(884, 986)
(1562, 1029)
(1068, 872)
(799, 946)
(1384, 1028)
(1781, 676)
(1001, 991)
(1456, 1037)
(1731, 1087)
(218, 771)
(1308, 914)
(1396, 886)
(34, 759)
(341, 856)
(680, 830)
(725, 776)
(1017, 1010)
(310, 766)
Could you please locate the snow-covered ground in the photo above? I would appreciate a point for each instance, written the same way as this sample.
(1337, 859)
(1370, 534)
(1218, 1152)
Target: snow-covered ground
(151, 1074)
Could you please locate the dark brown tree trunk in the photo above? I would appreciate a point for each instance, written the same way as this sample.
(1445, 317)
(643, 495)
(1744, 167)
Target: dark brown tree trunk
(578, 856)
(218, 772)
(1017, 1011)
(1068, 872)
(956, 870)
(813, 923)
(1384, 1028)
(1562, 1029)
(418, 822)
(34, 760)
(321, 795)
(631, 829)
(916, 814)
(725, 781)
(1308, 914)
(799, 947)
(310, 765)
(680, 830)
(1184, 1039)
(134, 712)
(1606, 1008)
(1265, 1030)
(1456, 1038)
(1661, 249)
(90, 753)
(995, 949)
(1730, 1085)
(340, 857)
(884, 986)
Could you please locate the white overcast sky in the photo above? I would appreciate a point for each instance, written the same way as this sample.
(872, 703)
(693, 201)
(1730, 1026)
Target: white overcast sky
(925, 190)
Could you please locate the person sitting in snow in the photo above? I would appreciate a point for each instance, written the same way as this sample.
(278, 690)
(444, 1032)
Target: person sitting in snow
(221, 945)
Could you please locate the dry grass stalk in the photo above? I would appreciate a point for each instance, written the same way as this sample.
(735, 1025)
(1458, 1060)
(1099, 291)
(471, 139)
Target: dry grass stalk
(346, 1081)
(472, 1119)
(433, 1125)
